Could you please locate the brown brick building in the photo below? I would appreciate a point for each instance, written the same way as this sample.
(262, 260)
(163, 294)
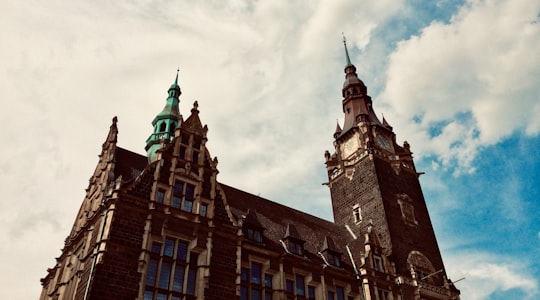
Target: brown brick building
(163, 227)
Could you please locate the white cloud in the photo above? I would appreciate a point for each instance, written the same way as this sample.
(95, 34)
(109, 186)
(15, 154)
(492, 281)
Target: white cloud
(267, 75)
(486, 274)
(476, 77)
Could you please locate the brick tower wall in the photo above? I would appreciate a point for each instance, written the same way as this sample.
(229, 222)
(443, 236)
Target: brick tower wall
(406, 238)
(362, 189)
(117, 276)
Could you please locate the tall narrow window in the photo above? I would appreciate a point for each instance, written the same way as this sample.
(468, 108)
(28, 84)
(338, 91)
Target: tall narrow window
(296, 247)
(196, 150)
(183, 195)
(171, 272)
(255, 285)
(311, 292)
(296, 289)
(340, 293)
(357, 214)
(300, 286)
(203, 209)
(378, 263)
(160, 196)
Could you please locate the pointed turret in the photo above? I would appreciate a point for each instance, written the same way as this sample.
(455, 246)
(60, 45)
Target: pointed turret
(352, 85)
(165, 122)
(356, 103)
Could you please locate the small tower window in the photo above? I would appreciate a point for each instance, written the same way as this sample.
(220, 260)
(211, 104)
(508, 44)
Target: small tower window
(357, 214)
(162, 127)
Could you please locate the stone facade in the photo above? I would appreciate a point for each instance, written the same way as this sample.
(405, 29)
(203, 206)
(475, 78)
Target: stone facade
(162, 226)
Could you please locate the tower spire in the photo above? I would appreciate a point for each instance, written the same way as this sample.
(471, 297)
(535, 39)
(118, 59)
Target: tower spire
(346, 50)
(166, 121)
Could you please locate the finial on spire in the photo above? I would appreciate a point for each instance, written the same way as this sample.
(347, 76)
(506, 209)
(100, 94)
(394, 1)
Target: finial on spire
(346, 51)
(176, 80)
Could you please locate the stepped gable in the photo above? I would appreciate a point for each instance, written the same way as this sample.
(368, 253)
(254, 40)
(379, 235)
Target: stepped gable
(275, 218)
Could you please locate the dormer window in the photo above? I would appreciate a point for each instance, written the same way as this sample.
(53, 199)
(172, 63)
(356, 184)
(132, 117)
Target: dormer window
(330, 253)
(295, 247)
(254, 235)
(252, 228)
(333, 259)
(293, 241)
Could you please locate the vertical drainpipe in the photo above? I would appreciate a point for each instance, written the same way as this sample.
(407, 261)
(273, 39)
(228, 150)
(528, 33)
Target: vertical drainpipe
(96, 250)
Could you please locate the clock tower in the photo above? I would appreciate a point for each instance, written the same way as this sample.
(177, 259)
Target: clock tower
(375, 188)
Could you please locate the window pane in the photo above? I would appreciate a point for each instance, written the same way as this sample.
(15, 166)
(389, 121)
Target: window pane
(256, 273)
(178, 279)
(267, 295)
(151, 272)
(289, 286)
(169, 247)
(195, 157)
(192, 277)
(161, 296)
(311, 292)
(181, 252)
(164, 275)
(182, 152)
(148, 295)
(300, 287)
(330, 296)
(176, 201)
(255, 294)
(257, 236)
(268, 280)
(190, 191)
(156, 248)
(340, 294)
(160, 196)
(243, 293)
(202, 210)
(245, 275)
(178, 188)
(176, 298)
(188, 205)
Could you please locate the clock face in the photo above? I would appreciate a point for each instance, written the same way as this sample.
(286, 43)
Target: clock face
(383, 142)
(349, 147)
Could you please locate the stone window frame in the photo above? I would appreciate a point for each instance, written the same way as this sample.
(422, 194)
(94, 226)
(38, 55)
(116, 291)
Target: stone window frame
(171, 257)
(378, 263)
(357, 213)
(293, 289)
(338, 292)
(263, 286)
(181, 199)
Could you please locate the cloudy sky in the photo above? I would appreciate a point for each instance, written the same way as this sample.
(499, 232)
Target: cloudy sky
(459, 80)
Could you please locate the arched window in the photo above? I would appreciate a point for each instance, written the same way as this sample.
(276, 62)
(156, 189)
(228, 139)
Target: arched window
(162, 127)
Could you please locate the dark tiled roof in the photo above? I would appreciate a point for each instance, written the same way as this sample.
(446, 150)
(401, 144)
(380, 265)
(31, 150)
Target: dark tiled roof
(277, 219)
(129, 164)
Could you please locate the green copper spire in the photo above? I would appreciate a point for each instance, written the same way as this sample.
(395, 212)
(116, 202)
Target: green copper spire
(166, 121)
